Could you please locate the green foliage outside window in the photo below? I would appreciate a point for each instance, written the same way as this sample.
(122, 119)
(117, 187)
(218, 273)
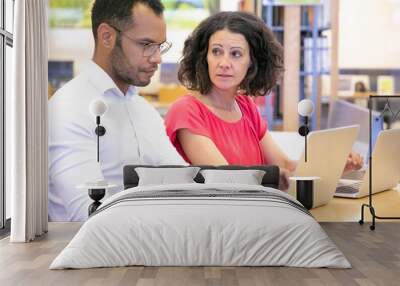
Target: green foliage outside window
(69, 3)
(70, 13)
(178, 14)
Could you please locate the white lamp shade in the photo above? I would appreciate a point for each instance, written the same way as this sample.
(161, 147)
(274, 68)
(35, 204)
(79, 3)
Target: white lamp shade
(97, 107)
(305, 107)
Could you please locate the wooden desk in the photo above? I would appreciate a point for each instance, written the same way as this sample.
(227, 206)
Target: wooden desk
(160, 104)
(359, 95)
(356, 95)
(386, 203)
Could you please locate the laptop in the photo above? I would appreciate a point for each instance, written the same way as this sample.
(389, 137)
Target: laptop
(385, 168)
(343, 113)
(327, 152)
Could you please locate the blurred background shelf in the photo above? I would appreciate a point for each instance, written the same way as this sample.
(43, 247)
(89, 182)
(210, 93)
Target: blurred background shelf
(306, 32)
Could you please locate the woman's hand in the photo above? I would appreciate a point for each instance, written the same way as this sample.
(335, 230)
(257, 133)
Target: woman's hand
(354, 162)
(284, 175)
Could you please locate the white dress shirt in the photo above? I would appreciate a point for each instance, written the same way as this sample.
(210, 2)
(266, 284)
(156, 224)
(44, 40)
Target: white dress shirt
(135, 134)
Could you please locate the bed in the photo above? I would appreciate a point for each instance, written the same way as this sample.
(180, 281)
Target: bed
(204, 222)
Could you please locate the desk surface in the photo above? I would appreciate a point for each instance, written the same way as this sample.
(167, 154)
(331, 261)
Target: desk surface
(360, 95)
(386, 203)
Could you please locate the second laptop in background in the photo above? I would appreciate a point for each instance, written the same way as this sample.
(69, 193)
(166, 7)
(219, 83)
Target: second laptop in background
(385, 168)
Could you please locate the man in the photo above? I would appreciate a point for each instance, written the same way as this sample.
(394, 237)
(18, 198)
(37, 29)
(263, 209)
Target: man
(130, 37)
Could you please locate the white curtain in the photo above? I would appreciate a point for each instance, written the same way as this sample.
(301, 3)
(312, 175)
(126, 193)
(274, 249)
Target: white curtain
(26, 123)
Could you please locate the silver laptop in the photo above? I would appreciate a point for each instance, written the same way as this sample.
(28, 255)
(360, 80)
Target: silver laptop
(327, 152)
(385, 168)
(343, 113)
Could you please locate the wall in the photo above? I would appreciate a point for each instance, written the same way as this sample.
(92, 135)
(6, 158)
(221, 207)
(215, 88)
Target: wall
(71, 45)
(369, 34)
(229, 5)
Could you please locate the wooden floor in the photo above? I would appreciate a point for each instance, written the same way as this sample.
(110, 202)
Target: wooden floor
(374, 255)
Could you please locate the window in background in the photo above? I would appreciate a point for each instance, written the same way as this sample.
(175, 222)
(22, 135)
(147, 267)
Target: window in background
(6, 43)
(60, 72)
(71, 41)
(181, 14)
(70, 13)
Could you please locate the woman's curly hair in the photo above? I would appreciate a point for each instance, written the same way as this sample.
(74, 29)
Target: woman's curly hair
(266, 53)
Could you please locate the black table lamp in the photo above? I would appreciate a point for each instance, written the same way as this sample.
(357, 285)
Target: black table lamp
(305, 185)
(305, 108)
(97, 190)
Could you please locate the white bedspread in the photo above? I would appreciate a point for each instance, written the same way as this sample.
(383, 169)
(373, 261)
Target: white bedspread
(201, 230)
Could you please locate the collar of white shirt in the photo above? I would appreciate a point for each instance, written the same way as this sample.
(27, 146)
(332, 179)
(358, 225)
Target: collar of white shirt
(104, 83)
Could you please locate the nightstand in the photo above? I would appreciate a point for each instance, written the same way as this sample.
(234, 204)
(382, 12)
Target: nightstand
(96, 191)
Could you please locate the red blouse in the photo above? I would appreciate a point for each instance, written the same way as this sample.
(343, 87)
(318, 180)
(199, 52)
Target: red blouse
(238, 142)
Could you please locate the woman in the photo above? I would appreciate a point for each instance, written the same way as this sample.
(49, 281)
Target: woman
(229, 57)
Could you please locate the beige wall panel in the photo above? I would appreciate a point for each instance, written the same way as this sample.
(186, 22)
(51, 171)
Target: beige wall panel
(291, 79)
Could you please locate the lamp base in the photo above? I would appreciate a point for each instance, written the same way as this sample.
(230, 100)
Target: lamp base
(305, 192)
(96, 195)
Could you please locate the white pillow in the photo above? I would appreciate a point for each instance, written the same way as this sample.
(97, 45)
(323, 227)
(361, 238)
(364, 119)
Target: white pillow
(248, 177)
(162, 176)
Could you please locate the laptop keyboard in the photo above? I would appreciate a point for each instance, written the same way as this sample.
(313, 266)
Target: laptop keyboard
(348, 186)
(354, 175)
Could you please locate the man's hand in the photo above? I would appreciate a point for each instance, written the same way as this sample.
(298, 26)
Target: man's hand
(354, 162)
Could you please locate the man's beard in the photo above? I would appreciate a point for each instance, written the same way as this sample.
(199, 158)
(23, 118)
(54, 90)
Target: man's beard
(120, 67)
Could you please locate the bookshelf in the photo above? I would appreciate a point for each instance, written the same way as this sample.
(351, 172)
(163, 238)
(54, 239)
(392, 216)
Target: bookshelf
(309, 34)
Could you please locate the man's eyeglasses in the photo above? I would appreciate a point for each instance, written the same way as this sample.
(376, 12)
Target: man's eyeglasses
(149, 49)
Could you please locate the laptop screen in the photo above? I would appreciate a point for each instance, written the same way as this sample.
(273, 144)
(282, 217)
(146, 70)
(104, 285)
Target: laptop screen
(343, 113)
(377, 126)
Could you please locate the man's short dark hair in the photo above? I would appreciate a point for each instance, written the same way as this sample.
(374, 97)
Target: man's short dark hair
(266, 53)
(119, 12)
